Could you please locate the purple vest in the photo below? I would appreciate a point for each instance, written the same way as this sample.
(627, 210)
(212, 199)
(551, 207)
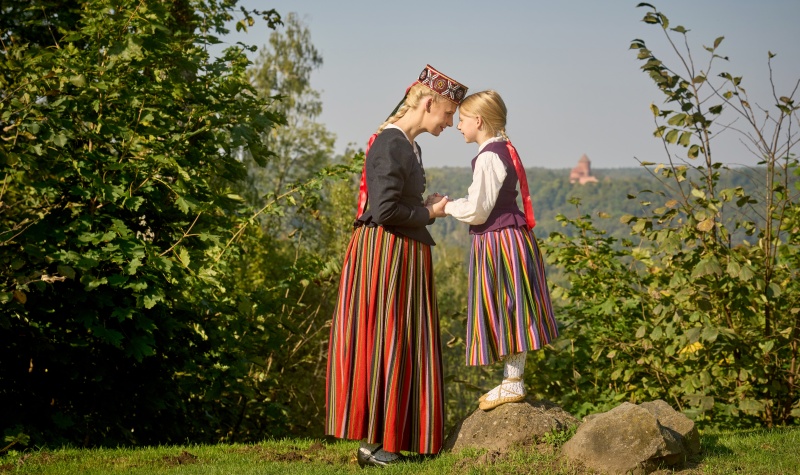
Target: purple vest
(506, 212)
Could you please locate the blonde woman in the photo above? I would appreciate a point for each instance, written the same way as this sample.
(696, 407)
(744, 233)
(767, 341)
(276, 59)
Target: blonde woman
(384, 379)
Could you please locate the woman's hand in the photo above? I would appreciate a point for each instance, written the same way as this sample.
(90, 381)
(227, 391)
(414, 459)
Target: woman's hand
(433, 198)
(436, 209)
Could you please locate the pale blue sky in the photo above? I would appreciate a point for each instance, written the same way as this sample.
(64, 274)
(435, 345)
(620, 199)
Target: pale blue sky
(570, 82)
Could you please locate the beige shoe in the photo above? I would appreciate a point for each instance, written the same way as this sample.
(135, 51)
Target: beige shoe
(504, 396)
(483, 398)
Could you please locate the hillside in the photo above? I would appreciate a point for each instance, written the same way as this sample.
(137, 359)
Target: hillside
(605, 201)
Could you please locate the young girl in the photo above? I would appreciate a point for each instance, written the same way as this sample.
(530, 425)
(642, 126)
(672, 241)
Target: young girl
(509, 310)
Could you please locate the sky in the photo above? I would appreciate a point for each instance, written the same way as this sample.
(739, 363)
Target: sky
(570, 82)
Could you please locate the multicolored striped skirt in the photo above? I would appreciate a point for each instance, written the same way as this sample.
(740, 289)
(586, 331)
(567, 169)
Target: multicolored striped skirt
(509, 308)
(384, 377)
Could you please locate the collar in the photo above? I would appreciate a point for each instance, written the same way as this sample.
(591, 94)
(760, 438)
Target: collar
(491, 140)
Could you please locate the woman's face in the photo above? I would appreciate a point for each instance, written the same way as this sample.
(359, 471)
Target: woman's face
(440, 116)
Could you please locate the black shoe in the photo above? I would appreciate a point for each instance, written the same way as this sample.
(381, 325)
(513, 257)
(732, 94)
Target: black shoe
(367, 459)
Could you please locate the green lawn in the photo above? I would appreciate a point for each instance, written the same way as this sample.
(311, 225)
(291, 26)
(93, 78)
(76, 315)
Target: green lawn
(767, 452)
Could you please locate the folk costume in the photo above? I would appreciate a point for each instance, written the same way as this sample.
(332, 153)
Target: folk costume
(384, 375)
(509, 311)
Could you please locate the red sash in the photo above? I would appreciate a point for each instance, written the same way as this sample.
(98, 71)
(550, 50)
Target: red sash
(362, 187)
(523, 185)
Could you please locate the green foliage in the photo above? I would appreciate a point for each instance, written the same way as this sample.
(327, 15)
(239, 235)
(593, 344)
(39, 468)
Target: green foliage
(117, 160)
(684, 313)
(303, 205)
(558, 437)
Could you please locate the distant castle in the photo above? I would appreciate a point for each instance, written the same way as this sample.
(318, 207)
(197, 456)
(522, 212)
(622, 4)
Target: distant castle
(582, 173)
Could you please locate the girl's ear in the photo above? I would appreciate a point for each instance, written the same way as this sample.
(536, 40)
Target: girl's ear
(479, 122)
(428, 104)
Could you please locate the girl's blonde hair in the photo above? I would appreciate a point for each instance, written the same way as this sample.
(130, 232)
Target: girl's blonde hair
(490, 107)
(415, 95)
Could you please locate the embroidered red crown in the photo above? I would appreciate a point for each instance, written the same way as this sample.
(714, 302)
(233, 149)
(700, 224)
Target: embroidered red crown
(441, 84)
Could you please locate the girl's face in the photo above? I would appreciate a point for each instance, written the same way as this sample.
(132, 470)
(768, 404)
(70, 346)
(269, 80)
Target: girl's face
(440, 116)
(468, 125)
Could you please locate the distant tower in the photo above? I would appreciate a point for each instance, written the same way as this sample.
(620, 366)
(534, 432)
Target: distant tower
(582, 173)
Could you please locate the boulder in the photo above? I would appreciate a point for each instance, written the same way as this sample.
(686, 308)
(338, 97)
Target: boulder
(674, 420)
(632, 439)
(521, 423)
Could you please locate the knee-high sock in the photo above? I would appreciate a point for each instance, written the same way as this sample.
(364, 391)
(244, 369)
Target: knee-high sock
(514, 365)
(513, 368)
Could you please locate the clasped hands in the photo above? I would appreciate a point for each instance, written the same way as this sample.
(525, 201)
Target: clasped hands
(435, 203)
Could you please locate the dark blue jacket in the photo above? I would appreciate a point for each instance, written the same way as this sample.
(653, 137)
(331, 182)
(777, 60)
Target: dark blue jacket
(395, 184)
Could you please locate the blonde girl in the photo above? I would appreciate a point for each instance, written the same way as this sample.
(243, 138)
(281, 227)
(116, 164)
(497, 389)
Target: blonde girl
(509, 309)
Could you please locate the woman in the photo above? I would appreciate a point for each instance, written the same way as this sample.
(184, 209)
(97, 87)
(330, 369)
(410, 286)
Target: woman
(384, 381)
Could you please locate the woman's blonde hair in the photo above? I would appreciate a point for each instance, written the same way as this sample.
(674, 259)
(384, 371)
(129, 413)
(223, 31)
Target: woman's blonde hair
(415, 95)
(489, 106)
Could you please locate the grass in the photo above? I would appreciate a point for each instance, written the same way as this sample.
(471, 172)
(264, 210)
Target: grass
(759, 452)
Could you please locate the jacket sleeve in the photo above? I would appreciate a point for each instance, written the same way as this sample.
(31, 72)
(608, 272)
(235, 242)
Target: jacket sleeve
(388, 167)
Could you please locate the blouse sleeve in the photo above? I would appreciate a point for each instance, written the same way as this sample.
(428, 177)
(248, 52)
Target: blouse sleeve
(488, 177)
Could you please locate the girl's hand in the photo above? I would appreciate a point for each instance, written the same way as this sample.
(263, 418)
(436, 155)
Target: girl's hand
(436, 209)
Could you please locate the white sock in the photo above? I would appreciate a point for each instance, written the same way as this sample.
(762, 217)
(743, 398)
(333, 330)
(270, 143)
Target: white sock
(514, 367)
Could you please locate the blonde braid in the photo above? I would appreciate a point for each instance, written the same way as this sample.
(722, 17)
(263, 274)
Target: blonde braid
(415, 94)
(394, 118)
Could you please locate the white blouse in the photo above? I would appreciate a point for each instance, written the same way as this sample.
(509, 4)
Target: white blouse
(487, 178)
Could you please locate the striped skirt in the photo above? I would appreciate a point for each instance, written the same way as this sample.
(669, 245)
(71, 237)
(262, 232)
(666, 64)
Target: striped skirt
(509, 307)
(384, 379)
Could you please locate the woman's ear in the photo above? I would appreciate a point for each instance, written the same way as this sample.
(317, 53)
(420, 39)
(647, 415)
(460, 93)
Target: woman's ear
(428, 104)
(479, 122)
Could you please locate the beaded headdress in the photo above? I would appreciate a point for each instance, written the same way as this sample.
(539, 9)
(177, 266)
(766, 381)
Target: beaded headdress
(442, 84)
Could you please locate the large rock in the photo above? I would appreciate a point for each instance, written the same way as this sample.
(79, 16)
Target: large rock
(508, 425)
(674, 420)
(632, 439)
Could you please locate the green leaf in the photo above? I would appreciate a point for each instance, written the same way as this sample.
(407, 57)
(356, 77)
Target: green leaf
(751, 406)
(150, 301)
(686, 137)
(766, 346)
(60, 140)
(656, 334)
(78, 80)
(710, 334)
(747, 273)
(698, 193)
(184, 257)
(66, 271)
(677, 119)
(707, 266)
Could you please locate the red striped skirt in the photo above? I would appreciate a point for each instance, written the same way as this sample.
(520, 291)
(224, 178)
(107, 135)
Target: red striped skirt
(509, 308)
(384, 379)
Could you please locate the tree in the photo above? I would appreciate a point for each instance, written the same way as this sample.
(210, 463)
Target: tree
(118, 161)
(304, 200)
